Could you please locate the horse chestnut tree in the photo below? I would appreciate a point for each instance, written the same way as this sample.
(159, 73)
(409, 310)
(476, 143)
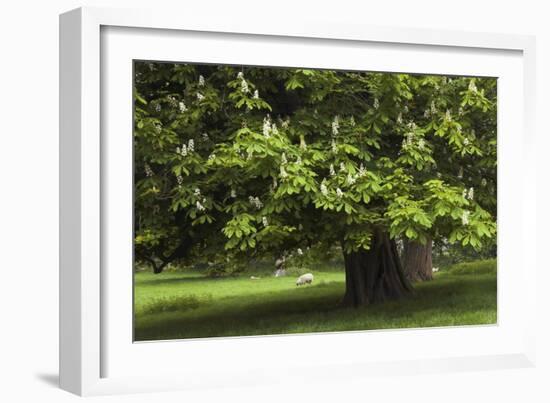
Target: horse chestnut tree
(234, 161)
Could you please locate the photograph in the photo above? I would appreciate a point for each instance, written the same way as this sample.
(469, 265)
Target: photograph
(272, 200)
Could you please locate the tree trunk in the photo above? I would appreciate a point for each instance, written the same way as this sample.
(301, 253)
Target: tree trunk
(417, 260)
(375, 275)
(158, 261)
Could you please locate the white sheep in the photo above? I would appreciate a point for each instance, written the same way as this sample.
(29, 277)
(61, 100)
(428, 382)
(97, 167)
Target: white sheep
(305, 279)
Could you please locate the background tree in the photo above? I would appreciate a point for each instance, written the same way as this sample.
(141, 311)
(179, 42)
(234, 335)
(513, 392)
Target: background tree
(276, 159)
(471, 147)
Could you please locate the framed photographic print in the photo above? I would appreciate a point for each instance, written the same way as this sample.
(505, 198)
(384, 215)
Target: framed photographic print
(243, 205)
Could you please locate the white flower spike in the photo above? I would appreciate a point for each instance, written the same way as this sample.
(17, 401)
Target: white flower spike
(335, 125)
(465, 218)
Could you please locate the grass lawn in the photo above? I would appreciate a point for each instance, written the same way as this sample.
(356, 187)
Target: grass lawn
(176, 305)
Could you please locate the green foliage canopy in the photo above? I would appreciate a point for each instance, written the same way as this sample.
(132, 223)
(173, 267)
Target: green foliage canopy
(260, 160)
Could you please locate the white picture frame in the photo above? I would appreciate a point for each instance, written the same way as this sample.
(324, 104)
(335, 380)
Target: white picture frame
(93, 329)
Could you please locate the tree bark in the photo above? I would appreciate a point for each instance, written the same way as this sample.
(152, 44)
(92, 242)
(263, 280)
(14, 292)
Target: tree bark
(417, 260)
(375, 275)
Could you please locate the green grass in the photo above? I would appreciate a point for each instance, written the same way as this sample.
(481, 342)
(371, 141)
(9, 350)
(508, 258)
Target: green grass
(175, 305)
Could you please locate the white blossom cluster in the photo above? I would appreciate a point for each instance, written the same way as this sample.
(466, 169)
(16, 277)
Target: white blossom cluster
(148, 171)
(244, 84)
(335, 125)
(197, 192)
(362, 170)
(212, 157)
(351, 179)
(256, 94)
(331, 169)
(267, 126)
(333, 146)
(299, 251)
(408, 140)
(233, 194)
(342, 167)
(158, 127)
(182, 106)
(465, 218)
(200, 97)
(182, 151)
(466, 141)
(400, 118)
(471, 193)
(201, 81)
(339, 192)
(376, 103)
(172, 100)
(179, 178)
(200, 206)
(324, 189)
(303, 145)
(448, 116)
(472, 86)
(410, 137)
(185, 149)
(244, 87)
(264, 221)
(256, 202)
(285, 123)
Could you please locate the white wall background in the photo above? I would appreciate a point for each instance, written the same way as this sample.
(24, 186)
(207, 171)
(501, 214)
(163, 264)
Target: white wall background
(29, 196)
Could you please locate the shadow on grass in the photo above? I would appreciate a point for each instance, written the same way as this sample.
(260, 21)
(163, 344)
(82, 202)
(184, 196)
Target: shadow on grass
(178, 280)
(455, 300)
(238, 312)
